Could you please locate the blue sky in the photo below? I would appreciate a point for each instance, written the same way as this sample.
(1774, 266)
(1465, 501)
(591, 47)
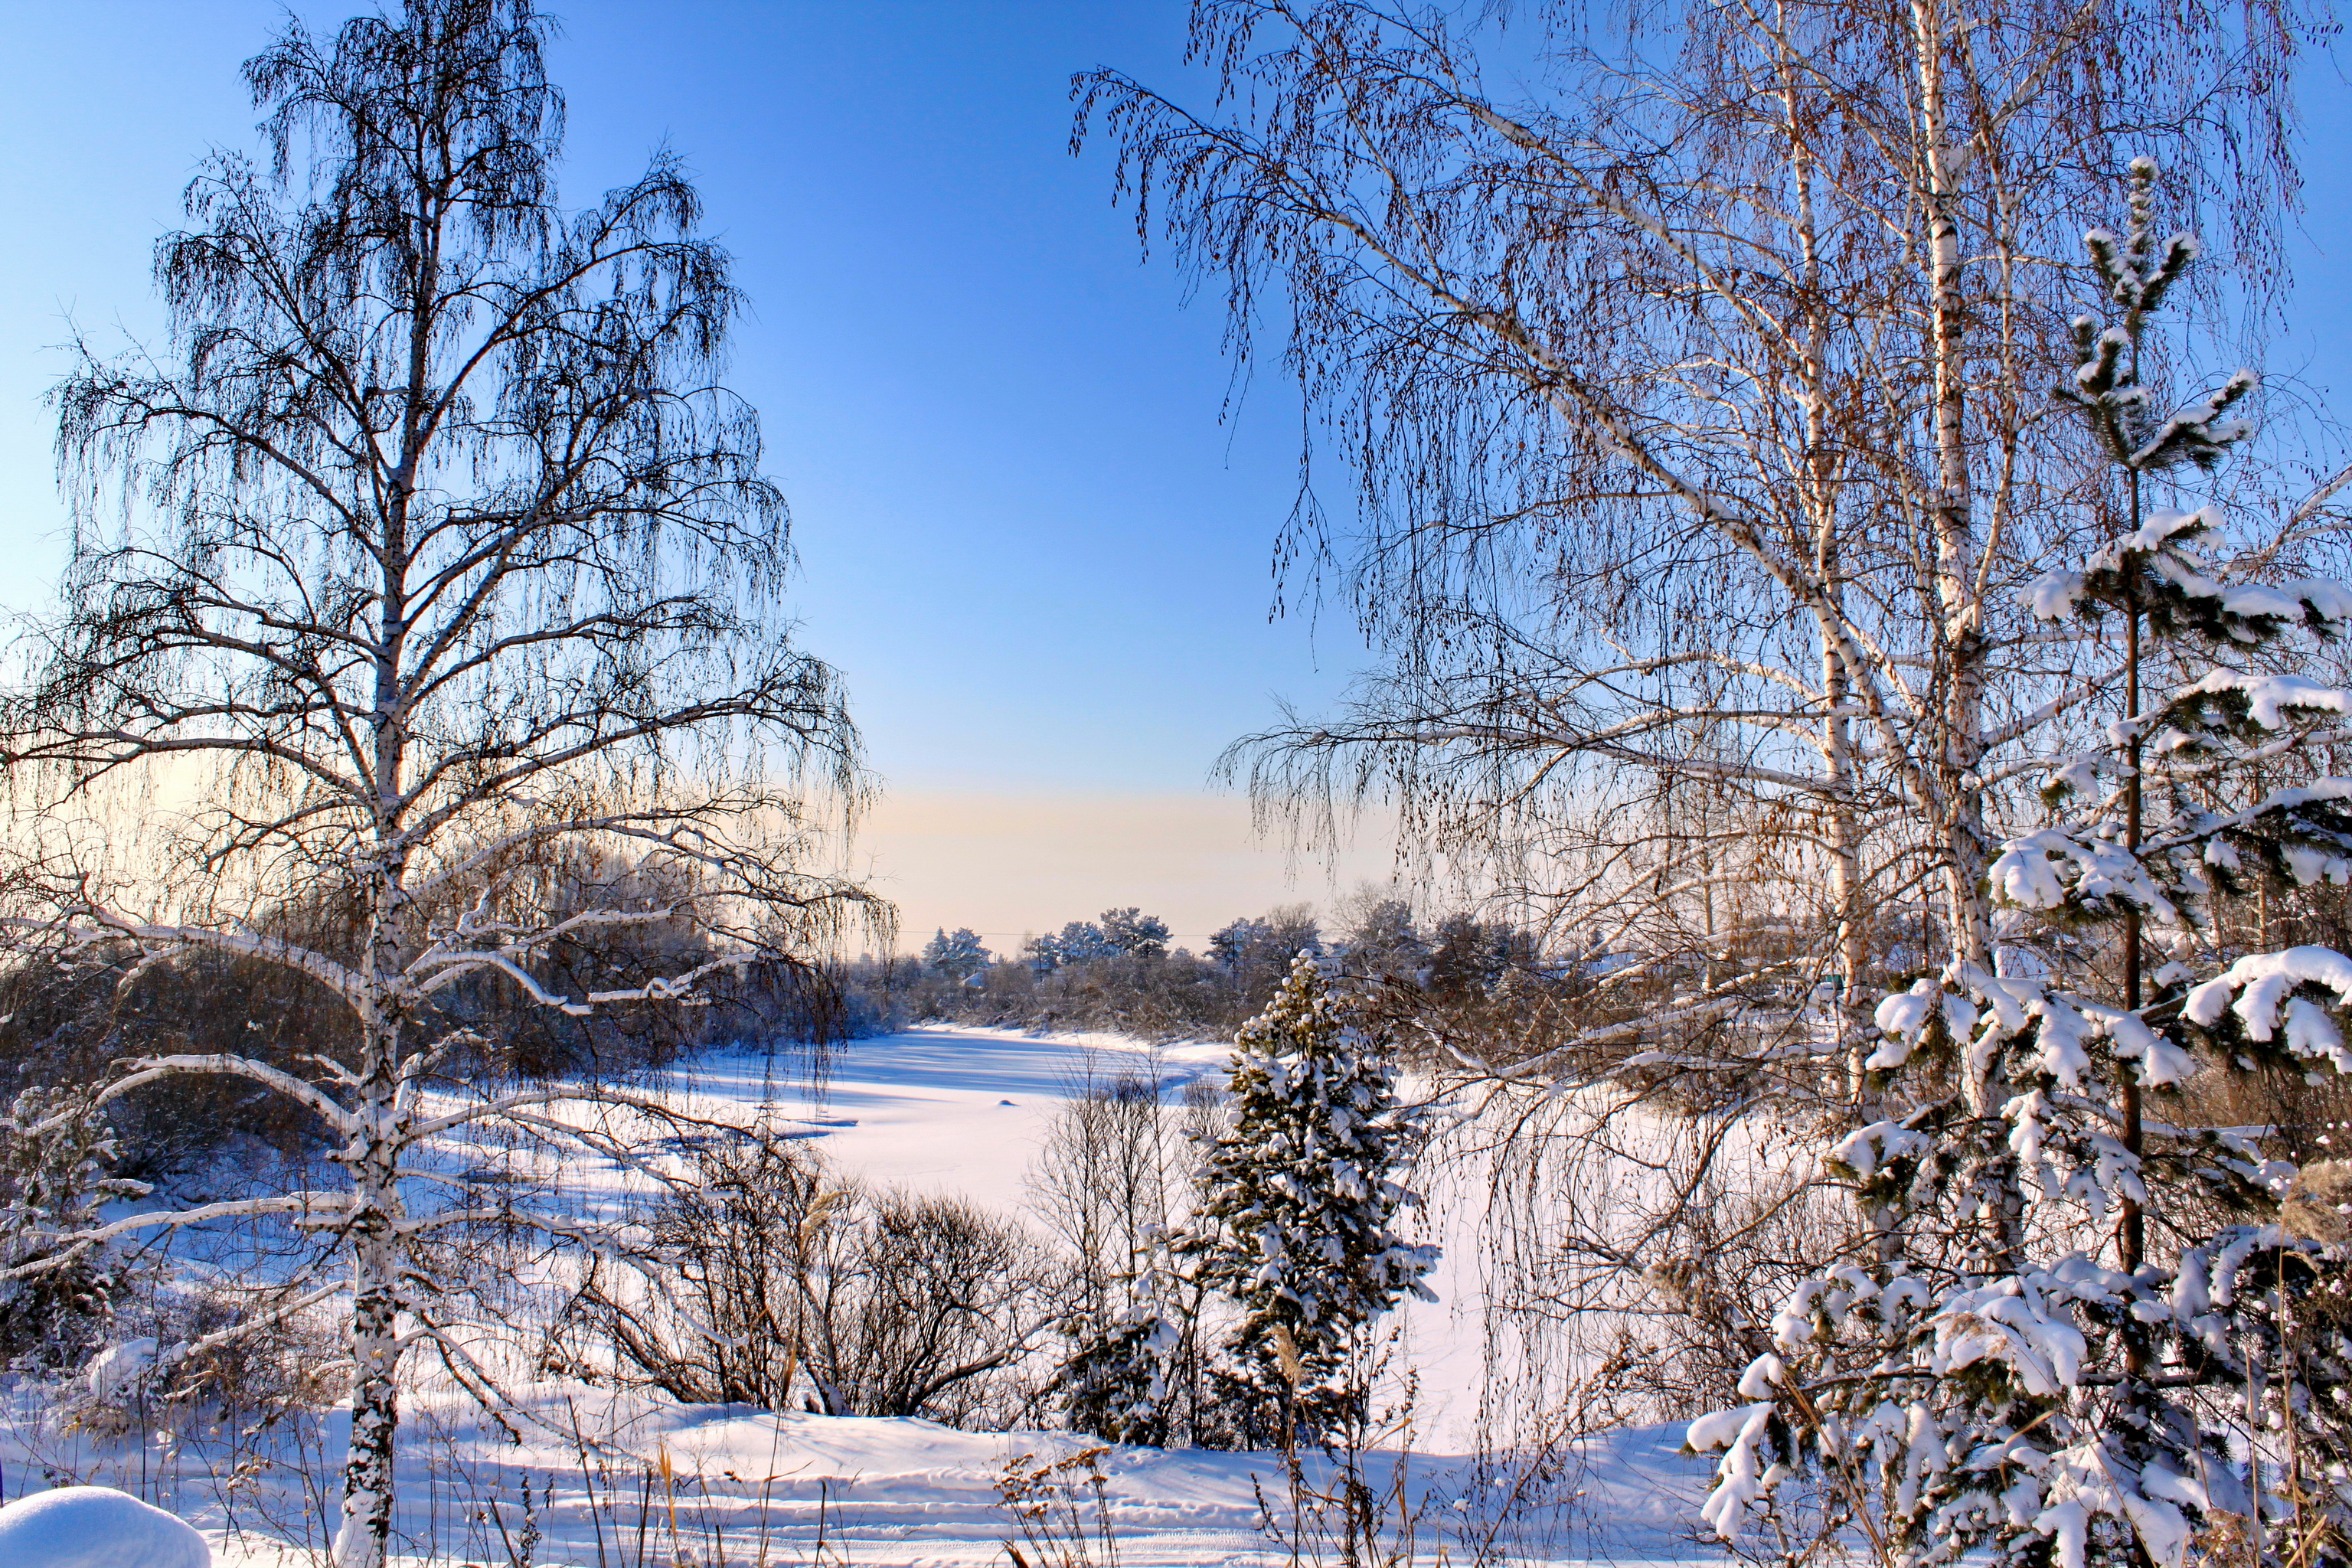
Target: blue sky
(1034, 539)
(1031, 539)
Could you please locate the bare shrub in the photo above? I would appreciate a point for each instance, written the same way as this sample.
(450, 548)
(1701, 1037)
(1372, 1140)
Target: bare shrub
(1062, 1509)
(770, 1279)
(1103, 1180)
(1117, 1169)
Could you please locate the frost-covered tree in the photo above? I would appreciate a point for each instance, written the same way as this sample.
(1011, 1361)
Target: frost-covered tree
(1692, 395)
(1299, 1210)
(1080, 941)
(1119, 1382)
(1258, 950)
(1231, 945)
(959, 957)
(1133, 932)
(2068, 1297)
(431, 561)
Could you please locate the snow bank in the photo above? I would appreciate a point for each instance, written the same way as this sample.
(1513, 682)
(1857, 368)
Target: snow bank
(96, 1527)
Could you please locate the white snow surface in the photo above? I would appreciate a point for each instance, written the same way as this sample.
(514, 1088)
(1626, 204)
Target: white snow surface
(951, 1111)
(95, 1527)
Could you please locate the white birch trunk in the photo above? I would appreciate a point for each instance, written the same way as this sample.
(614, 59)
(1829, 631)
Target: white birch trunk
(1951, 514)
(362, 1539)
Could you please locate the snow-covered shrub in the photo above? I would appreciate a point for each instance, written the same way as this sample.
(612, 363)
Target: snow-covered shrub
(1124, 1380)
(1299, 1216)
(228, 1350)
(210, 1351)
(58, 1299)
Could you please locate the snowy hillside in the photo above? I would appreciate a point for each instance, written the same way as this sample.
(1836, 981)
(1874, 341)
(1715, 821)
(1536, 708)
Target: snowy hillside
(952, 1112)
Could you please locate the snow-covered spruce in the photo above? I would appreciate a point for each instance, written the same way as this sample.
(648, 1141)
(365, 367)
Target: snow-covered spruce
(1298, 1213)
(959, 957)
(2040, 1344)
(57, 1296)
(1117, 1383)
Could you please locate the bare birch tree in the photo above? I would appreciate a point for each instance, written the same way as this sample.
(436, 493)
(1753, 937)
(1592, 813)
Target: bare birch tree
(1695, 412)
(442, 559)
(1698, 399)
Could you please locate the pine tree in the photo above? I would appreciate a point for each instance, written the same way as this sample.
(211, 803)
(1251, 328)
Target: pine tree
(1133, 932)
(2044, 1342)
(1298, 1210)
(959, 957)
(1232, 946)
(1080, 941)
(1385, 943)
(1118, 1384)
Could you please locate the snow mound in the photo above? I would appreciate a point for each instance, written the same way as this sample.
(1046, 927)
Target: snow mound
(118, 1366)
(96, 1527)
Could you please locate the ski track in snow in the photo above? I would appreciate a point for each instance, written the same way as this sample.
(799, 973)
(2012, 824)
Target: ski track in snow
(950, 1111)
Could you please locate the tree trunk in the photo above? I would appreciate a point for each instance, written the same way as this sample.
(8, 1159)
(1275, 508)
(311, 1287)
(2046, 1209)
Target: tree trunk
(362, 1539)
(1949, 508)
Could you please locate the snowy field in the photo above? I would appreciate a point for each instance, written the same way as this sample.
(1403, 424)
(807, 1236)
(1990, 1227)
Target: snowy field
(958, 1112)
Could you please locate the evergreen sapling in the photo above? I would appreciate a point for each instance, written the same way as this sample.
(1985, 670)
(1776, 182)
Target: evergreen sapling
(1299, 1217)
(1118, 1383)
(58, 1296)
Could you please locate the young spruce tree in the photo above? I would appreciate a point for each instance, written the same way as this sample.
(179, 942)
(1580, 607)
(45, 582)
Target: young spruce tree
(2071, 1311)
(1119, 1382)
(57, 1301)
(1297, 1217)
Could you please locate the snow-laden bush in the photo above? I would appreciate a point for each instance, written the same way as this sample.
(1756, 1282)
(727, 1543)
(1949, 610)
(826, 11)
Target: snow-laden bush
(207, 1351)
(57, 1299)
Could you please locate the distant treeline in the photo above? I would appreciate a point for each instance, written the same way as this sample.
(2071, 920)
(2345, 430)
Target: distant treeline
(70, 1023)
(1119, 972)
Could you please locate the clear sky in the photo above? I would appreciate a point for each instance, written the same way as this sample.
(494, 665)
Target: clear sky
(1036, 534)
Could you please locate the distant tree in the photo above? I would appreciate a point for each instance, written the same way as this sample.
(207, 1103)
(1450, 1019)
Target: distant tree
(1468, 956)
(1135, 933)
(1298, 1212)
(960, 957)
(1273, 939)
(1234, 944)
(441, 554)
(1080, 941)
(1383, 939)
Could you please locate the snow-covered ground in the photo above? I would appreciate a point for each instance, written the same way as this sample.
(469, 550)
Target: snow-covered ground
(950, 1111)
